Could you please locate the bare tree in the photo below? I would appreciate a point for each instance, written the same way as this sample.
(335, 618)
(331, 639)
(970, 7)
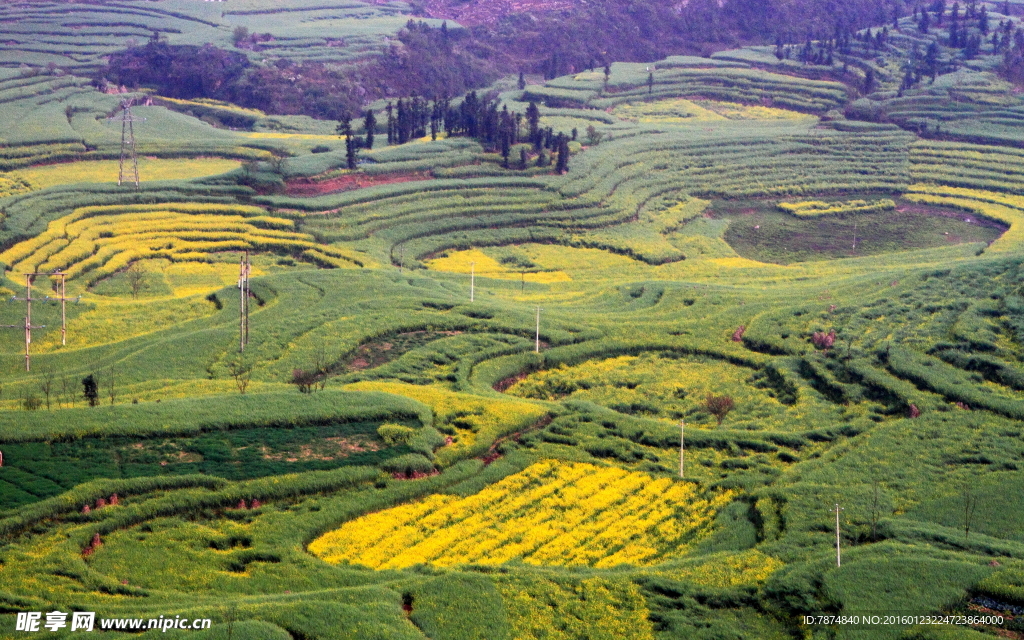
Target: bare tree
(67, 390)
(321, 365)
(242, 373)
(718, 406)
(136, 277)
(47, 384)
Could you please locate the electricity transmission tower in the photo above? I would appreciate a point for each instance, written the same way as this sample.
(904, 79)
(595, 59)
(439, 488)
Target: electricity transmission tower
(244, 268)
(127, 121)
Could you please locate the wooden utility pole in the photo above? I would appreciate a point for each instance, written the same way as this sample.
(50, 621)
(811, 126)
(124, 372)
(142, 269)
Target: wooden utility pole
(27, 326)
(244, 268)
(838, 553)
(63, 303)
(472, 281)
(682, 447)
(536, 348)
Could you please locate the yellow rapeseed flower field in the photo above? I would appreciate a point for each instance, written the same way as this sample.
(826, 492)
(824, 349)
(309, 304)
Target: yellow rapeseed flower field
(487, 267)
(552, 513)
(490, 417)
(100, 241)
(51, 175)
(726, 569)
(599, 608)
(680, 111)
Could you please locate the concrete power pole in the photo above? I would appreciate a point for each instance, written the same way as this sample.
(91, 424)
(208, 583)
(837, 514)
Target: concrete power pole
(244, 268)
(839, 558)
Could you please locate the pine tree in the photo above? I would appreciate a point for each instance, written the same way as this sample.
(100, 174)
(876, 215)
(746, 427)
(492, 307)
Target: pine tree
(869, 81)
(931, 60)
(369, 124)
(983, 21)
(391, 123)
(533, 121)
(345, 129)
(522, 81)
(563, 155)
(91, 389)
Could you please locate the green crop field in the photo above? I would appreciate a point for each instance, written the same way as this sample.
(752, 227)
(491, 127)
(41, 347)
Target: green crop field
(458, 411)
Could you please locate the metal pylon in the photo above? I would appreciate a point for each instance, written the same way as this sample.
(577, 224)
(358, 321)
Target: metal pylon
(128, 144)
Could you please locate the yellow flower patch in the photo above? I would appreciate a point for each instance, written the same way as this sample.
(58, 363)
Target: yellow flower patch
(470, 415)
(476, 261)
(100, 241)
(51, 175)
(552, 513)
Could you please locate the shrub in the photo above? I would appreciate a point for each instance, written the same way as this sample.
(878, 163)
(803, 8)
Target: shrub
(393, 433)
(408, 464)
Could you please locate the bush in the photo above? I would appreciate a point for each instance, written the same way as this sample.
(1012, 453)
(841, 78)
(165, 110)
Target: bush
(392, 433)
(408, 464)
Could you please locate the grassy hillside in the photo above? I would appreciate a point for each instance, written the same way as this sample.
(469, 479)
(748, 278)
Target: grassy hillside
(458, 412)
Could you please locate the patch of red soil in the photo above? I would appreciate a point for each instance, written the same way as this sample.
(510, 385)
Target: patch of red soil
(305, 187)
(503, 385)
(493, 453)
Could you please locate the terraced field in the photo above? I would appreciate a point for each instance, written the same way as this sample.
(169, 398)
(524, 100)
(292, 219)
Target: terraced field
(458, 412)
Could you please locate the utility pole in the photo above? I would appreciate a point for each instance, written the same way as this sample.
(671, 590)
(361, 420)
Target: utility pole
(682, 447)
(522, 281)
(854, 235)
(838, 553)
(63, 302)
(472, 281)
(536, 348)
(27, 326)
(243, 304)
(401, 257)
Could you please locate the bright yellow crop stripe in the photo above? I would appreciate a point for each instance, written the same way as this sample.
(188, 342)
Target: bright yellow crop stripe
(552, 513)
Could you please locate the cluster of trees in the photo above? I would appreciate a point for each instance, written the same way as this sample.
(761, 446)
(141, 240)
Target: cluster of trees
(425, 61)
(498, 129)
